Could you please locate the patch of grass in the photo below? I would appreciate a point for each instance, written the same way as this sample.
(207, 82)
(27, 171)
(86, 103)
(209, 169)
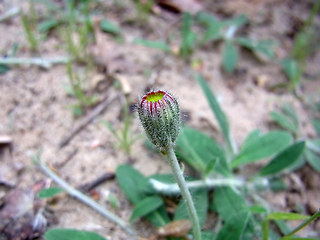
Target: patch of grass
(77, 90)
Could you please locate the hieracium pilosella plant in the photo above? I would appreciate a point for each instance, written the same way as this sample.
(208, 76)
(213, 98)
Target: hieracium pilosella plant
(159, 114)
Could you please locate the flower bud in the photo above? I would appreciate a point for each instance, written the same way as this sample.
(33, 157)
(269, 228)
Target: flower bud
(160, 117)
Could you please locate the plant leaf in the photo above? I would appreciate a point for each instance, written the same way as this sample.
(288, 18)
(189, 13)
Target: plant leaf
(133, 183)
(284, 159)
(146, 206)
(230, 57)
(188, 37)
(284, 121)
(47, 25)
(198, 150)
(216, 109)
(109, 27)
(213, 27)
(154, 44)
(313, 159)
(159, 217)
(71, 234)
(234, 227)
(200, 198)
(228, 203)
(252, 137)
(239, 21)
(4, 68)
(49, 192)
(316, 125)
(263, 147)
(290, 68)
(286, 216)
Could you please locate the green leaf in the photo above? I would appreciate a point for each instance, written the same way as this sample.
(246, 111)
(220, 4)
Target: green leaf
(239, 21)
(47, 25)
(146, 206)
(71, 234)
(154, 44)
(213, 27)
(208, 235)
(200, 198)
(4, 68)
(165, 178)
(265, 47)
(291, 69)
(109, 27)
(252, 137)
(313, 159)
(258, 209)
(227, 202)
(159, 217)
(230, 57)
(198, 150)
(286, 216)
(284, 159)
(287, 118)
(315, 123)
(49, 192)
(216, 109)
(265, 146)
(234, 227)
(133, 183)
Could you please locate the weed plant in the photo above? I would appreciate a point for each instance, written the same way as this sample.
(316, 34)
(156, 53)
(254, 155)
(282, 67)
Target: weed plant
(214, 30)
(243, 214)
(305, 43)
(77, 90)
(124, 135)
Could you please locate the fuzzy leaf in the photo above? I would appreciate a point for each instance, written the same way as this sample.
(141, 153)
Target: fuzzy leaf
(265, 146)
(71, 234)
(133, 183)
(198, 150)
(284, 159)
(228, 203)
(146, 206)
(234, 227)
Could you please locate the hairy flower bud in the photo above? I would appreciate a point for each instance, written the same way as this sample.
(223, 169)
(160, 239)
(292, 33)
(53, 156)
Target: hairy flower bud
(160, 117)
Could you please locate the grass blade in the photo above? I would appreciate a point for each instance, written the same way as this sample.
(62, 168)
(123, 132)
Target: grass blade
(216, 109)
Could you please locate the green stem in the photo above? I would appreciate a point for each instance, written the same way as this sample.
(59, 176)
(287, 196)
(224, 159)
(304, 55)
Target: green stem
(184, 192)
(302, 225)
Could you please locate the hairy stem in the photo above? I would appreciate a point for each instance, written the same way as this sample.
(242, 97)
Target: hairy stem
(184, 192)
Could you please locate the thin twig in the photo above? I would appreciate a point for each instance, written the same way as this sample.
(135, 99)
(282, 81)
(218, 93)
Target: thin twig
(86, 200)
(87, 187)
(42, 62)
(87, 119)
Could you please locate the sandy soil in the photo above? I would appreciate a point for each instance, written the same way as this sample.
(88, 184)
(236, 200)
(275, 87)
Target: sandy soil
(35, 109)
